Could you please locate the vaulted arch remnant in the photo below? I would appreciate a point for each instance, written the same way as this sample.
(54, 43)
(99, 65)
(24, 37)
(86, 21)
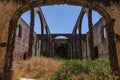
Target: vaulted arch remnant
(78, 26)
(61, 47)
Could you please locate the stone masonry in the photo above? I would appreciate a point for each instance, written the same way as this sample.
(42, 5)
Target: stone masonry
(11, 10)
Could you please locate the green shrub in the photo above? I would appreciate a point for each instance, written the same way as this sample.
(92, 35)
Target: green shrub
(57, 57)
(93, 70)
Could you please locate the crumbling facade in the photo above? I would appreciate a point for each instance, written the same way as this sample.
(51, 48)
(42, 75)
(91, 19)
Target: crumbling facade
(11, 10)
(100, 40)
(22, 41)
(62, 47)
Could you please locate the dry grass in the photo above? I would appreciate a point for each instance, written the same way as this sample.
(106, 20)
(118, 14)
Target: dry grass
(36, 67)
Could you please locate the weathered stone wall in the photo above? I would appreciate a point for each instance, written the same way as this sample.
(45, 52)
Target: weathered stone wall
(99, 39)
(6, 13)
(34, 44)
(114, 11)
(84, 49)
(8, 9)
(21, 42)
(38, 48)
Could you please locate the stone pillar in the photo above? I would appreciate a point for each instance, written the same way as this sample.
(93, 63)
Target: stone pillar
(31, 37)
(114, 36)
(7, 10)
(80, 54)
(112, 48)
(91, 43)
(8, 72)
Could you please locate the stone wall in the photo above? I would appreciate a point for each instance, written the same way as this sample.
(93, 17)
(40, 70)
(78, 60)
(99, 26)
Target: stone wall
(6, 13)
(114, 11)
(100, 39)
(12, 9)
(22, 41)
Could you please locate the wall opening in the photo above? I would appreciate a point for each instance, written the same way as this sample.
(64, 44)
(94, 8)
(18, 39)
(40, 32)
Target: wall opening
(96, 52)
(19, 31)
(61, 18)
(25, 56)
(103, 10)
(37, 24)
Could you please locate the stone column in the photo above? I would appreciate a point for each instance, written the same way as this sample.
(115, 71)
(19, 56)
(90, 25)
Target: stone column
(7, 10)
(31, 37)
(91, 43)
(80, 54)
(112, 48)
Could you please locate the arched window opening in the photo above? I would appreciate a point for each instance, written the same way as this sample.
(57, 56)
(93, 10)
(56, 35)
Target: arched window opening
(104, 33)
(61, 37)
(19, 31)
(62, 17)
(77, 31)
(95, 17)
(45, 31)
(114, 66)
(84, 28)
(37, 24)
(61, 47)
(26, 17)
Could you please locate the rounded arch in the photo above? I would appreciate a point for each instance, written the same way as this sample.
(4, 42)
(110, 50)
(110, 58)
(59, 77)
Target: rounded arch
(84, 3)
(60, 41)
(61, 37)
(91, 5)
(23, 8)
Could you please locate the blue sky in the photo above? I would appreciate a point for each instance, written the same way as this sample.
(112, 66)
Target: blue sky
(61, 18)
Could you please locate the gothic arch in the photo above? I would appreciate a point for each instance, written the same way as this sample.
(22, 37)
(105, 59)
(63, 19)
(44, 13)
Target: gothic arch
(45, 27)
(78, 27)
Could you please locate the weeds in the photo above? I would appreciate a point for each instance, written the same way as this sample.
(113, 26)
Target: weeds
(43, 68)
(85, 70)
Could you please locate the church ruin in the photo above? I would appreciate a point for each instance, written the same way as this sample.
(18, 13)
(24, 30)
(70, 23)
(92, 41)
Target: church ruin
(62, 47)
(11, 10)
